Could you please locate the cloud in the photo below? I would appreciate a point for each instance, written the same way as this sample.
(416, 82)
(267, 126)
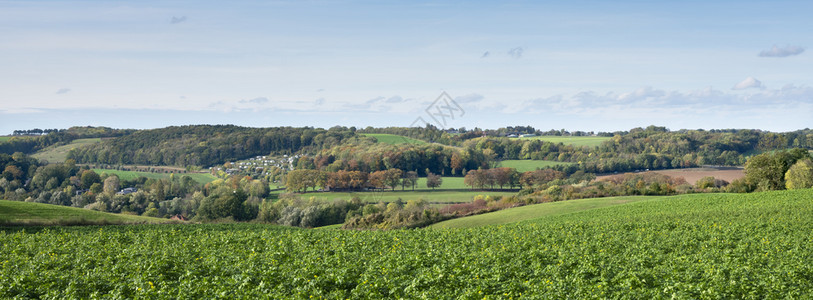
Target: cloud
(63, 91)
(395, 99)
(516, 53)
(749, 82)
(260, 100)
(470, 98)
(485, 54)
(640, 94)
(176, 20)
(319, 101)
(782, 52)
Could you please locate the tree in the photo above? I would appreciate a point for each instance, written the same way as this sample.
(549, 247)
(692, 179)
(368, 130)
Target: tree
(392, 177)
(89, 178)
(412, 177)
(800, 175)
(111, 185)
(433, 180)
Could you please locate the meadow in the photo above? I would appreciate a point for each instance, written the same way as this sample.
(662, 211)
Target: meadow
(536, 211)
(589, 141)
(452, 190)
(58, 154)
(393, 139)
(699, 246)
(4, 138)
(525, 165)
(201, 178)
(25, 213)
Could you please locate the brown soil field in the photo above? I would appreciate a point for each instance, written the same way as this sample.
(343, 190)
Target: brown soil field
(693, 174)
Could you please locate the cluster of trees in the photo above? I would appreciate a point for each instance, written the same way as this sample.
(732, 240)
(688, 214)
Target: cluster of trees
(489, 177)
(31, 144)
(778, 170)
(302, 180)
(35, 131)
(207, 145)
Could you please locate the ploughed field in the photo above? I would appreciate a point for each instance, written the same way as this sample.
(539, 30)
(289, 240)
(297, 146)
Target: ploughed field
(692, 246)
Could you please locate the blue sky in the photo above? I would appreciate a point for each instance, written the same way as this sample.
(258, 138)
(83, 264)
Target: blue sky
(578, 65)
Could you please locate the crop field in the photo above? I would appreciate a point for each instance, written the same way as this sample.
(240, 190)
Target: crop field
(4, 138)
(536, 211)
(25, 213)
(525, 165)
(589, 141)
(202, 178)
(58, 154)
(393, 139)
(696, 246)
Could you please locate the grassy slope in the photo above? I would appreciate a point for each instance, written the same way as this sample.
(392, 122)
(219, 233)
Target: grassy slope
(524, 165)
(16, 212)
(590, 141)
(59, 153)
(201, 178)
(451, 190)
(393, 139)
(538, 211)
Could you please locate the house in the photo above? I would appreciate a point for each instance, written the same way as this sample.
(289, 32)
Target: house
(128, 190)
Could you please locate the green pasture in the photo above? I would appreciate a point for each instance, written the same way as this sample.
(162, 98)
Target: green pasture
(589, 141)
(535, 211)
(202, 178)
(58, 154)
(26, 213)
(443, 196)
(393, 139)
(525, 165)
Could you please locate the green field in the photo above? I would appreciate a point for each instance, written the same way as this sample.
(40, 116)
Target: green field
(452, 189)
(444, 196)
(4, 138)
(536, 211)
(25, 213)
(525, 165)
(698, 246)
(589, 141)
(202, 178)
(393, 139)
(59, 153)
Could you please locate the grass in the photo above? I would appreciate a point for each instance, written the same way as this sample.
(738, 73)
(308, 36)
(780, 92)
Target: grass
(438, 196)
(524, 165)
(27, 213)
(393, 139)
(589, 141)
(58, 154)
(4, 138)
(536, 211)
(202, 178)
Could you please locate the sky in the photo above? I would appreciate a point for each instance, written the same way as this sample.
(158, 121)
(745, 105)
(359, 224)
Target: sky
(575, 65)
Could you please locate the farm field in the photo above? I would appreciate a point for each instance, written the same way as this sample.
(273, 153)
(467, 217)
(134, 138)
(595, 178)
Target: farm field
(442, 196)
(59, 154)
(692, 175)
(525, 165)
(589, 141)
(26, 213)
(536, 211)
(202, 178)
(393, 139)
(4, 138)
(691, 246)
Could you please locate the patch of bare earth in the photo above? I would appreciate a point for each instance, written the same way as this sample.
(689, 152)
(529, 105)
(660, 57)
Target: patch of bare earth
(693, 174)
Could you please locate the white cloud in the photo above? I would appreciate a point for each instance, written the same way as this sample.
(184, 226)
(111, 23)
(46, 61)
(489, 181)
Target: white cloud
(470, 98)
(259, 100)
(63, 91)
(749, 82)
(782, 52)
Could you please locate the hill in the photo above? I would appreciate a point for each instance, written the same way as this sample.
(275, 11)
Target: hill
(525, 165)
(26, 213)
(529, 212)
(201, 178)
(589, 141)
(58, 154)
(739, 246)
(393, 139)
